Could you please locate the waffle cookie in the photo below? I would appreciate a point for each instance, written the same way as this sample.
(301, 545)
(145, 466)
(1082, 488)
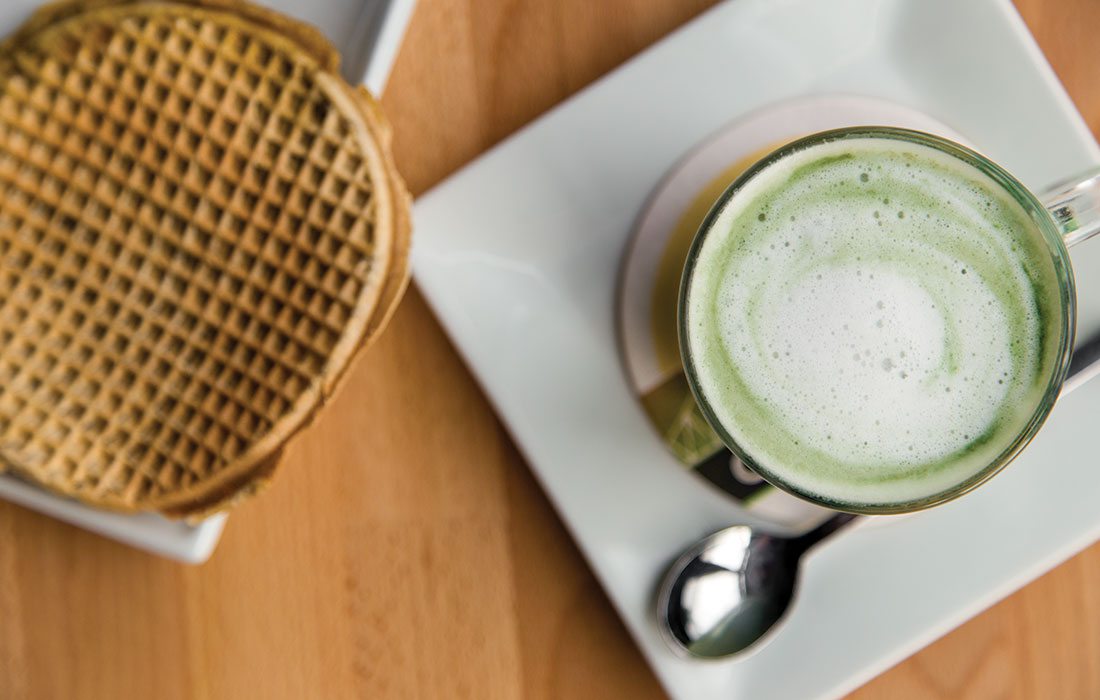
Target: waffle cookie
(200, 225)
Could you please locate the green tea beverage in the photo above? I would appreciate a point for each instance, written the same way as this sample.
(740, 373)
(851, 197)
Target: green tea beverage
(871, 321)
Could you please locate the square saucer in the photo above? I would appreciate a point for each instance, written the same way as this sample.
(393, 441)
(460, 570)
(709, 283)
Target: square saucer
(368, 34)
(518, 256)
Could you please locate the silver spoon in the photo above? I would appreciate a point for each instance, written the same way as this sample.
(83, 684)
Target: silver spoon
(722, 595)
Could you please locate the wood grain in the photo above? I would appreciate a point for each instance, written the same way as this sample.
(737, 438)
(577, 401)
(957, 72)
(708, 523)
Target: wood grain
(405, 550)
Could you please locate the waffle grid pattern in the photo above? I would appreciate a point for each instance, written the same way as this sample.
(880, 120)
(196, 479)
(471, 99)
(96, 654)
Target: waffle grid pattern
(180, 250)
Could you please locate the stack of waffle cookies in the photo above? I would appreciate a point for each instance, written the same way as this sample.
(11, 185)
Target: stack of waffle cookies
(200, 225)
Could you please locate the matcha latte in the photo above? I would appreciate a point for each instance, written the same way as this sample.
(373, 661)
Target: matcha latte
(876, 320)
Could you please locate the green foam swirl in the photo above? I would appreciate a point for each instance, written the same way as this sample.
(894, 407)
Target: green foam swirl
(873, 321)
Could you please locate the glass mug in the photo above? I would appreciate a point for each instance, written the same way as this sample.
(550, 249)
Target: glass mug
(1070, 215)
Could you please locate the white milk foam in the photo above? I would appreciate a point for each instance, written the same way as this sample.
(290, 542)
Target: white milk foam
(866, 320)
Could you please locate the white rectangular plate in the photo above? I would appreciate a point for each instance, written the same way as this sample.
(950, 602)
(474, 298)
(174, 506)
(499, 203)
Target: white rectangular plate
(518, 256)
(368, 34)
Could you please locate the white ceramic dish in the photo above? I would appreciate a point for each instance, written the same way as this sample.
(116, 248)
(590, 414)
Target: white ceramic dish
(525, 286)
(368, 34)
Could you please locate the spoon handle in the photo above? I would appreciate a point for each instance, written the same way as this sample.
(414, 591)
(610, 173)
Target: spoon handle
(825, 529)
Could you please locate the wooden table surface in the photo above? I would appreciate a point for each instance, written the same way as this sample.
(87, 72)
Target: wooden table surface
(405, 551)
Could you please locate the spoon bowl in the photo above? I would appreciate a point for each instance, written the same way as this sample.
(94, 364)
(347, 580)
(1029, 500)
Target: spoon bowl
(729, 590)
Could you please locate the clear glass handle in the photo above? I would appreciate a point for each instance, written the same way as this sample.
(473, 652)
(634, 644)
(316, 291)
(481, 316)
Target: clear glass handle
(1075, 206)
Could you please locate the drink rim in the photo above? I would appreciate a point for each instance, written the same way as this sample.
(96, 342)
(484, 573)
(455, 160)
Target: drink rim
(1035, 209)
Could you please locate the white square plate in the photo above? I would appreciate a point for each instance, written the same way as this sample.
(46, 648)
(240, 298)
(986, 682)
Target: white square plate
(368, 34)
(518, 255)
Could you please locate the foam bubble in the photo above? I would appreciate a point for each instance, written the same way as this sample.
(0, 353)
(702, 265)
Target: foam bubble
(927, 324)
